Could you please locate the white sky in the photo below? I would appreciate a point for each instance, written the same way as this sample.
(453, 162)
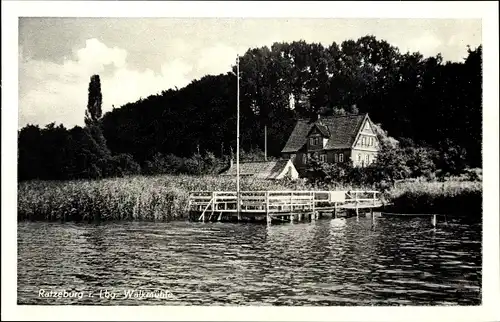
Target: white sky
(137, 57)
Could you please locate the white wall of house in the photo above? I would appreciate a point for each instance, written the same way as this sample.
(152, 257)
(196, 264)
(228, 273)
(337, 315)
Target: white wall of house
(289, 171)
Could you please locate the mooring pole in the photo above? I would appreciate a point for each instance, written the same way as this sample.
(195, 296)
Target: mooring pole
(357, 210)
(238, 205)
(434, 220)
(268, 217)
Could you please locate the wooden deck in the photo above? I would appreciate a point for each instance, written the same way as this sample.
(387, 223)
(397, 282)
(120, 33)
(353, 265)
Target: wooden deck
(276, 205)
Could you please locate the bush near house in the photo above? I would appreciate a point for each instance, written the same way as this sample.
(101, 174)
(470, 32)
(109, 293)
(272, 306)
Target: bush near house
(394, 164)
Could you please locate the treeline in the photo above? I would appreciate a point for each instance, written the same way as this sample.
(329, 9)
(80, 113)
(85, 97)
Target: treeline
(56, 153)
(420, 100)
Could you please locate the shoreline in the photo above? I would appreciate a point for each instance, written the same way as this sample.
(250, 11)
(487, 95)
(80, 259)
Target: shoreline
(165, 198)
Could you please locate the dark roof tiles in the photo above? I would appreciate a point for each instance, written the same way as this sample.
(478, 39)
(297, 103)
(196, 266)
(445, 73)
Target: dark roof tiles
(342, 131)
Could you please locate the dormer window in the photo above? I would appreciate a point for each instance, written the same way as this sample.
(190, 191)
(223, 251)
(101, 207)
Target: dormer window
(314, 140)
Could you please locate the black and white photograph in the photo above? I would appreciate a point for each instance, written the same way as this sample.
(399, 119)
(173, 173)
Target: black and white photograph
(215, 160)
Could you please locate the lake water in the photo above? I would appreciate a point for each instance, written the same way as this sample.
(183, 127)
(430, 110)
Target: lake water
(399, 261)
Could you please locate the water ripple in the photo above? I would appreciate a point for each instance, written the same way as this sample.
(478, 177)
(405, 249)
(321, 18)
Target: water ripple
(400, 262)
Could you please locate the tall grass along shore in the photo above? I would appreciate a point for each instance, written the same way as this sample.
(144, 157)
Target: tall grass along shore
(448, 197)
(166, 197)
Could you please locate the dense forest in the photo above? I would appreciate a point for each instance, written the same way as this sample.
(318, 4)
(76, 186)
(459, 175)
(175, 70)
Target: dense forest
(421, 101)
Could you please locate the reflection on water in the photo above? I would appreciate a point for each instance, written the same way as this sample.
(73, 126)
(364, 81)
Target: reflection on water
(326, 262)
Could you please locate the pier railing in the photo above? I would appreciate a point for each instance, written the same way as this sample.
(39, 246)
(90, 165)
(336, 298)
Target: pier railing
(281, 201)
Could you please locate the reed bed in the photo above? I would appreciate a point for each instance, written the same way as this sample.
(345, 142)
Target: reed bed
(449, 197)
(129, 198)
(166, 197)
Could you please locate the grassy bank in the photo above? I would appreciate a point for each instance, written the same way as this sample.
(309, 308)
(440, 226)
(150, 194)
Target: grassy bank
(166, 197)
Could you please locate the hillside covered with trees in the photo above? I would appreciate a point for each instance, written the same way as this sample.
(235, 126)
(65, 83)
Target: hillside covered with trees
(424, 102)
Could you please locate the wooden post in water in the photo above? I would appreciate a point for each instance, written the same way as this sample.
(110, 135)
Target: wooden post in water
(267, 203)
(356, 205)
(312, 200)
(213, 205)
(335, 210)
(434, 220)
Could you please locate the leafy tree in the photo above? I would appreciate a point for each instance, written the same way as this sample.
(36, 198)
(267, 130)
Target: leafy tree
(452, 158)
(391, 165)
(421, 161)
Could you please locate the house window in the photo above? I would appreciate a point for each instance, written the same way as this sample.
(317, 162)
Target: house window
(314, 140)
(363, 141)
(292, 156)
(304, 158)
(322, 157)
(367, 158)
(336, 157)
(341, 157)
(359, 157)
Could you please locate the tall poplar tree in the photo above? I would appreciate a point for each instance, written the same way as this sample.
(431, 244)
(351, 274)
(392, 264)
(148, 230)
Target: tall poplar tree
(94, 106)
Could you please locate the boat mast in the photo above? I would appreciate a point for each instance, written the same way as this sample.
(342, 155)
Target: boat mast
(238, 205)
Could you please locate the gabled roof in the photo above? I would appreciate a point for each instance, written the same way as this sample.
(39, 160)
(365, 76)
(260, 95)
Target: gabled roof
(323, 129)
(342, 132)
(259, 169)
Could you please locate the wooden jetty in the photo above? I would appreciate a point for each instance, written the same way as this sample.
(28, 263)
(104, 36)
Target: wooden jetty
(277, 206)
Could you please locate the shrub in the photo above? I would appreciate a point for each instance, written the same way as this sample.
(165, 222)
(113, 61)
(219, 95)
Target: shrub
(124, 164)
(193, 165)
